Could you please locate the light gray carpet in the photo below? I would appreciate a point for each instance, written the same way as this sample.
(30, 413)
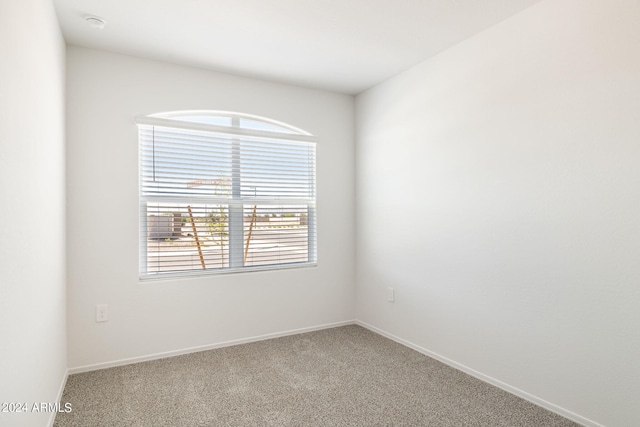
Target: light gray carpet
(345, 376)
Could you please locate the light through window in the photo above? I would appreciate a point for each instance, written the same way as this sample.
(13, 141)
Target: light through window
(224, 192)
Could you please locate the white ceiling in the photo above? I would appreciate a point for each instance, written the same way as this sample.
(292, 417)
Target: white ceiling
(344, 46)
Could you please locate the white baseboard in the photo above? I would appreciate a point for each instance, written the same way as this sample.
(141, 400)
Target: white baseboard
(163, 355)
(490, 380)
(52, 417)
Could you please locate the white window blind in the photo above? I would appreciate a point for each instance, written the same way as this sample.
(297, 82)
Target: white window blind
(224, 193)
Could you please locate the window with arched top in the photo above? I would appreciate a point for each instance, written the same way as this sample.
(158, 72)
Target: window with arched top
(224, 192)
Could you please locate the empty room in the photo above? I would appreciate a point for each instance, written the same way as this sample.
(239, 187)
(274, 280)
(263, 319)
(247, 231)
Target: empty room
(320, 212)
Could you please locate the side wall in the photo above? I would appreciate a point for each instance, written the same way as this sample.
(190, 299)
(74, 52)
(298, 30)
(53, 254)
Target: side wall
(105, 93)
(32, 218)
(499, 194)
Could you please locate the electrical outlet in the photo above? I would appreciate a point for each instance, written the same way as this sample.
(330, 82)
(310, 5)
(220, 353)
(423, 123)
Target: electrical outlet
(102, 313)
(391, 297)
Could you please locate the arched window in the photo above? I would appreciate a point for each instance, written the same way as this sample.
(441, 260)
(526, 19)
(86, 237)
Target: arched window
(224, 192)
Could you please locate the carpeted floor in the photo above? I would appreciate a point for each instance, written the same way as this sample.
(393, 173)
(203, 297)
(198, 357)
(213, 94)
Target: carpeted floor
(345, 376)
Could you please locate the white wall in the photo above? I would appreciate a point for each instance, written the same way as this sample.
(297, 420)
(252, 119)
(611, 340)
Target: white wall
(32, 194)
(499, 193)
(105, 93)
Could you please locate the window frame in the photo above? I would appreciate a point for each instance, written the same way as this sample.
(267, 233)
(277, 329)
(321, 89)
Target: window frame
(236, 203)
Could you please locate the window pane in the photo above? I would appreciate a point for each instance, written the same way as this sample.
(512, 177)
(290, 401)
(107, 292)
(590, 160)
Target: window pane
(260, 125)
(209, 120)
(184, 162)
(182, 237)
(277, 169)
(276, 234)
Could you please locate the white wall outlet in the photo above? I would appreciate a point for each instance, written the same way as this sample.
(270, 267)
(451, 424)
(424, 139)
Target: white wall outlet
(391, 297)
(102, 313)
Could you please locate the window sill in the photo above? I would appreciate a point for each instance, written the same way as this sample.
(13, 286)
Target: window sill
(211, 273)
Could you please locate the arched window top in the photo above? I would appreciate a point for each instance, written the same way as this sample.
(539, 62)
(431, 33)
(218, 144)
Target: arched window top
(230, 120)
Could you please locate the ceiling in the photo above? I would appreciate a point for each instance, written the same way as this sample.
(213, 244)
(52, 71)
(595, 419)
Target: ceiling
(344, 46)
